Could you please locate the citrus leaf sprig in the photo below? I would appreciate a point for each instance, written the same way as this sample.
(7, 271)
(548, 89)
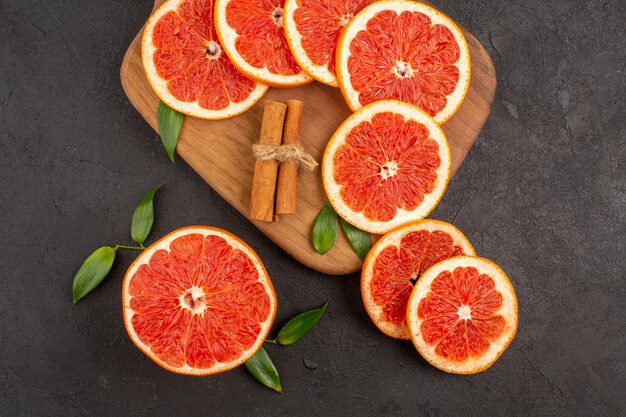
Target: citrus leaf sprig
(93, 270)
(170, 123)
(325, 233)
(360, 241)
(264, 370)
(325, 229)
(143, 217)
(261, 365)
(296, 328)
(97, 265)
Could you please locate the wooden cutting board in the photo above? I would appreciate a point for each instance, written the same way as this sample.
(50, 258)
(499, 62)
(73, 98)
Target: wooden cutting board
(220, 151)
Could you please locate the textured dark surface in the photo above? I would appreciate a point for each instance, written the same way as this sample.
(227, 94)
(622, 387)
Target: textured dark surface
(543, 193)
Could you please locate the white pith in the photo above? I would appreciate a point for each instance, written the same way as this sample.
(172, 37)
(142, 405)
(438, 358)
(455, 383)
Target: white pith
(403, 69)
(345, 19)
(277, 15)
(508, 311)
(389, 170)
(464, 313)
(319, 72)
(196, 294)
(359, 22)
(214, 50)
(165, 245)
(160, 85)
(393, 238)
(366, 113)
(228, 36)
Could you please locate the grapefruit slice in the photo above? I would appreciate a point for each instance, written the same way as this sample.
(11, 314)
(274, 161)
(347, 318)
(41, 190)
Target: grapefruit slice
(312, 28)
(407, 51)
(462, 314)
(387, 164)
(198, 301)
(396, 261)
(186, 66)
(253, 37)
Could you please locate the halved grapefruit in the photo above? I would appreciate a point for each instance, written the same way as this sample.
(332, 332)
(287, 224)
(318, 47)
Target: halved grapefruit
(186, 67)
(404, 50)
(387, 164)
(198, 301)
(312, 28)
(253, 37)
(462, 314)
(396, 261)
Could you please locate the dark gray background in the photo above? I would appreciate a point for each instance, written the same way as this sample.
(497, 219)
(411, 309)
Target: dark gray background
(543, 193)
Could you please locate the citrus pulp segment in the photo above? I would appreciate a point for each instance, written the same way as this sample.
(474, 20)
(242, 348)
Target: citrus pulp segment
(312, 28)
(404, 50)
(462, 314)
(198, 301)
(387, 164)
(396, 261)
(185, 65)
(252, 34)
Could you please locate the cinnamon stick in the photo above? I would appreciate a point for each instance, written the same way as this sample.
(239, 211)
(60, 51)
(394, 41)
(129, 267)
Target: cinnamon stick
(265, 172)
(288, 171)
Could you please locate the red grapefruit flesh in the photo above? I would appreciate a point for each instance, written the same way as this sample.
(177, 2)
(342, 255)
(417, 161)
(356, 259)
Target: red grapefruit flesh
(198, 301)
(253, 37)
(462, 314)
(404, 50)
(396, 261)
(185, 64)
(312, 28)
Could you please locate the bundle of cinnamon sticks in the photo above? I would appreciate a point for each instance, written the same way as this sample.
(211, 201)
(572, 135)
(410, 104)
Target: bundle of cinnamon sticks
(274, 184)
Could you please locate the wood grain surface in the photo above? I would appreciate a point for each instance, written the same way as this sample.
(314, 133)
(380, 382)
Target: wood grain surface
(220, 151)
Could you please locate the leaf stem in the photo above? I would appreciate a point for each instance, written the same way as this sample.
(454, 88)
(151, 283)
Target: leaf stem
(273, 341)
(130, 247)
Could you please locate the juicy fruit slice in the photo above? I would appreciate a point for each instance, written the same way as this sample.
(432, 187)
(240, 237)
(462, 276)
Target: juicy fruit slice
(253, 37)
(186, 66)
(396, 261)
(407, 51)
(198, 301)
(387, 164)
(312, 28)
(462, 314)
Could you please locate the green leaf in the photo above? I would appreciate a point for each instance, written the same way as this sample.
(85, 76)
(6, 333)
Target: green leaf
(170, 123)
(263, 369)
(325, 229)
(93, 271)
(359, 240)
(299, 326)
(143, 217)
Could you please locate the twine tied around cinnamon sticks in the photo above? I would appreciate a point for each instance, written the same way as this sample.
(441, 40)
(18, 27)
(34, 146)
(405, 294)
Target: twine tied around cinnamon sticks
(278, 144)
(283, 153)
